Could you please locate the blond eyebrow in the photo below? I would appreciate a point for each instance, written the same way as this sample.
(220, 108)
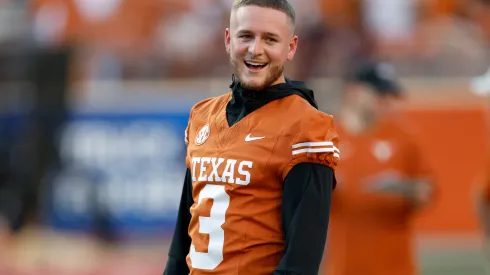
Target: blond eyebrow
(266, 34)
(272, 35)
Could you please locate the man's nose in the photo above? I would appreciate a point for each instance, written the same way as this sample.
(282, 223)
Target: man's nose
(256, 47)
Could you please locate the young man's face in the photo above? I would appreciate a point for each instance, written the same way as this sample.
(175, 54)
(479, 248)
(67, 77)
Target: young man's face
(259, 42)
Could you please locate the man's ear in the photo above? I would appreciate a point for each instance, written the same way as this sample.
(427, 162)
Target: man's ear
(227, 40)
(293, 45)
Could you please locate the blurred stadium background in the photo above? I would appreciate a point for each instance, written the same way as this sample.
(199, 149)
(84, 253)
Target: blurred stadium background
(94, 97)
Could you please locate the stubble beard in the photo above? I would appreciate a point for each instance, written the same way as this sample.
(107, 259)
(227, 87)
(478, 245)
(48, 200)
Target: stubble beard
(273, 74)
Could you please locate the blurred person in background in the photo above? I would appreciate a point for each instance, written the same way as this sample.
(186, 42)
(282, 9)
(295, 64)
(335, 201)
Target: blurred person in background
(260, 160)
(383, 180)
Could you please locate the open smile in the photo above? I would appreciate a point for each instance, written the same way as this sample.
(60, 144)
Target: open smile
(255, 66)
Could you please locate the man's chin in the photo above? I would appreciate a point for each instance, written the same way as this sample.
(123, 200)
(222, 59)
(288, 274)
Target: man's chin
(253, 84)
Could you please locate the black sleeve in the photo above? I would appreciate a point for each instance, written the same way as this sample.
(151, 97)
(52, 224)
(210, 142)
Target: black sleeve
(305, 214)
(181, 242)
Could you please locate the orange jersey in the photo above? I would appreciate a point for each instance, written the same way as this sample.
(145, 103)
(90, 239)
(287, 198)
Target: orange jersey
(237, 175)
(370, 233)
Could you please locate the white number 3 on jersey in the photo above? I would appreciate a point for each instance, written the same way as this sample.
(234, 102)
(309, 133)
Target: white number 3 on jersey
(212, 225)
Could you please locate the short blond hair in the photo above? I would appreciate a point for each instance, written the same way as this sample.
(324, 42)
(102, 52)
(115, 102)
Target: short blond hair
(280, 5)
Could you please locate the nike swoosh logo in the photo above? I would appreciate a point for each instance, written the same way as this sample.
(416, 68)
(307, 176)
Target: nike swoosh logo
(249, 138)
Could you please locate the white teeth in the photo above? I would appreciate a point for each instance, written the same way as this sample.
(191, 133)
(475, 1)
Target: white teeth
(255, 64)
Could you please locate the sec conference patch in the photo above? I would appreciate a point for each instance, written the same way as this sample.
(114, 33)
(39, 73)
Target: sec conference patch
(203, 135)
